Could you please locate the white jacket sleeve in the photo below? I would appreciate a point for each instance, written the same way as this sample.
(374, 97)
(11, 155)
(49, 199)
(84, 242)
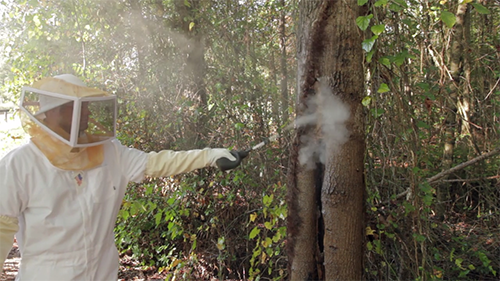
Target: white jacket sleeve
(8, 228)
(168, 162)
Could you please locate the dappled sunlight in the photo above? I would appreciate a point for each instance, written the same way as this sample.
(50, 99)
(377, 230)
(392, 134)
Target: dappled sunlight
(11, 133)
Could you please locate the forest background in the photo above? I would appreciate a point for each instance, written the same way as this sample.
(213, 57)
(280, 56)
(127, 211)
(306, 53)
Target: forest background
(193, 74)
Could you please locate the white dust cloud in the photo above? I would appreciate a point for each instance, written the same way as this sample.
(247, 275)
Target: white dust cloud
(329, 114)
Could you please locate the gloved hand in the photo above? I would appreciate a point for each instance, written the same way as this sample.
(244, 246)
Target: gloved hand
(215, 154)
(226, 163)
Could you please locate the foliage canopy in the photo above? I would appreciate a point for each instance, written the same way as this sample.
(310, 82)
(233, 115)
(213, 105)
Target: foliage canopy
(197, 73)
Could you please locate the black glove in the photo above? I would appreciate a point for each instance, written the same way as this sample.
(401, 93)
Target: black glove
(225, 164)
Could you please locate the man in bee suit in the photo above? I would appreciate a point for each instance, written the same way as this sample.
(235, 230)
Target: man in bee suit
(62, 191)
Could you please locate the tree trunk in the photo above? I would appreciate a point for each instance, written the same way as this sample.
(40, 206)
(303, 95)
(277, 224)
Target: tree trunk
(195, 68)
(343, 190)
(326, 200)
(456, 70)
(302, 220)
(284, 74)
(303, 212)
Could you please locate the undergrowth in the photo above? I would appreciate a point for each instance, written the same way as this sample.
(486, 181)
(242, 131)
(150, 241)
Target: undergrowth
(205, 225)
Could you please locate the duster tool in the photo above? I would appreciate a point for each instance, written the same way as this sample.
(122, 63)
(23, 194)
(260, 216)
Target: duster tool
(226, 164)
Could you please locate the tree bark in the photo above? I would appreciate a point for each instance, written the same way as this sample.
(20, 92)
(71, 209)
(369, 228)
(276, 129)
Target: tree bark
(451, 122)
(343, 190)
(284, 74)
(303, 212)
(326, 216)
(301, 221)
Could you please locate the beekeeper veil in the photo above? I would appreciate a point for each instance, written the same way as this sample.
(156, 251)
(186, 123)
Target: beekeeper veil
(68, 121)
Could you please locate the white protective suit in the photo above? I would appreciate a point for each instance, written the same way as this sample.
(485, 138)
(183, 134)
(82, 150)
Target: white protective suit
(66, 218)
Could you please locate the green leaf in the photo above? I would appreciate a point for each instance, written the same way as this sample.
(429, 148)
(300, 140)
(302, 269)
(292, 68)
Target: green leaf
(276, 237)
(367, 44)
(158, 218)
(149, 189)
(366, 101)
(125, 215)
(268, 224)
(191, 25)
(419, 237)
(402, 3)
(448, 18)
(193, 246)
(385, 61)
(408, 22)
(267, 200)
(378, 247)
(383, 88)
(369, 56)
(425, 188)
(397, 5)
(399, 59)
(481, 9)
(423, 86)
(430, 95)
(239, 126)
(221, 243)
(422, 124)
(377, 112)
(362, 2)
(380, 3)
(377, 29)
(267, 242)
(364, 21)
(255, 231)
(463, 273)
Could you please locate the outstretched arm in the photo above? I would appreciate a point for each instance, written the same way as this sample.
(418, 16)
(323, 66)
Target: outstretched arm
(168, 162)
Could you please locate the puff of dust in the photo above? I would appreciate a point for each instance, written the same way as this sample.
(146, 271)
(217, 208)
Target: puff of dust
(329, 114)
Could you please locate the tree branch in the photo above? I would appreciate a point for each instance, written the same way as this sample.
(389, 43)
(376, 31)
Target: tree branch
(463, 165)
(435, 178)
